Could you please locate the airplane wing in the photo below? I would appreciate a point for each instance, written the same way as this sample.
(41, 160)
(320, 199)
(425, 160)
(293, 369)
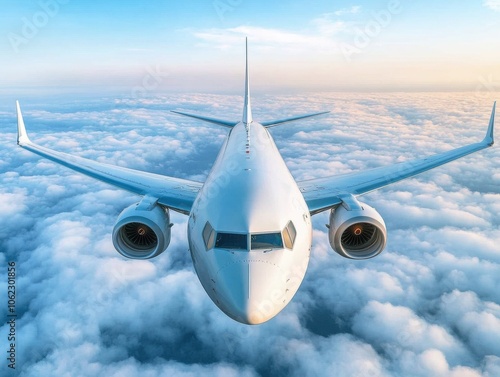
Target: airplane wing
(174, 193)
(324, 193)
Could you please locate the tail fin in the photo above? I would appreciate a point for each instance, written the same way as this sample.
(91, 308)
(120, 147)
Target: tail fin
(247, 109)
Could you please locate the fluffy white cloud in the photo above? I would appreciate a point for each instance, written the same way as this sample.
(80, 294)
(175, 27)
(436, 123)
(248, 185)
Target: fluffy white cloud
(428, 306)
(492, 4)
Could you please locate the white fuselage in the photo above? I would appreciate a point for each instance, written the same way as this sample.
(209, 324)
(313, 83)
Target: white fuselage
(248, 197)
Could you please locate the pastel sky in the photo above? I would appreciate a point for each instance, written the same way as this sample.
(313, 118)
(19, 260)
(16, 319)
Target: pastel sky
(294, 44)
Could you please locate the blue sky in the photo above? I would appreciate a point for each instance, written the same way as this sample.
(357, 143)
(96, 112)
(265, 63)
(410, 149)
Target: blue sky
(198, 45)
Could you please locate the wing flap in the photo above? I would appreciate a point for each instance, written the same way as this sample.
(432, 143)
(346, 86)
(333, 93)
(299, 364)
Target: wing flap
(324, 193)
(174, 193)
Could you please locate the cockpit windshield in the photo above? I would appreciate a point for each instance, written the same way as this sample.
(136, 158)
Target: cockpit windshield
(266, 241)
(231, 241)
(239, 241)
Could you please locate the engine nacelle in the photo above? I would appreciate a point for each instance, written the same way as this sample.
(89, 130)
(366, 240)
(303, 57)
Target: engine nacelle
(142, 232)
(358, 232)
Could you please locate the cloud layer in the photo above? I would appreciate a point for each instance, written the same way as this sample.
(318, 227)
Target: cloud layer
(429, 305)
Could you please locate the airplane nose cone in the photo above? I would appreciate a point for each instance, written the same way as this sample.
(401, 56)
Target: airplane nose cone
(251, 292)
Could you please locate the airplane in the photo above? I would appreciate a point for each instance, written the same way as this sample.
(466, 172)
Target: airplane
(249, 228)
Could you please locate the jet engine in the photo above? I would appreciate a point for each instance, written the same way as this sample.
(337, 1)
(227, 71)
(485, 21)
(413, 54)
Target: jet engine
(142, 232)
(357, 231)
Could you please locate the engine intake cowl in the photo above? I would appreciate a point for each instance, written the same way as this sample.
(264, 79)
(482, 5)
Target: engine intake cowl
(142, 233)
(358, 233)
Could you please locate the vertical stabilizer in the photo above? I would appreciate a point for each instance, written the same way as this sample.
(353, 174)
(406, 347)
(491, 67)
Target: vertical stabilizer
(247, 109)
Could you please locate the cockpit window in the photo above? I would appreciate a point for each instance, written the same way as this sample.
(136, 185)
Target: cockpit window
(266, 241)
(231, 241)
(208, 236)
(289, 234)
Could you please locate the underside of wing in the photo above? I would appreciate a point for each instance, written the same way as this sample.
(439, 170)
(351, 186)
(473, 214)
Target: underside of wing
(324, 193)
(174, 193)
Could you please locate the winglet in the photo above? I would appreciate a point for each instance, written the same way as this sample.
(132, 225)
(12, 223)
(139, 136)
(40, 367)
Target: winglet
(22, 135)
(247, 109)
(489, 138)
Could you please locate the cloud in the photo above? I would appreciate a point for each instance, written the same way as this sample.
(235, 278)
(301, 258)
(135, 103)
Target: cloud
(263, 37)
(352, 10)
(492, 4)
(320, 33)
(429, 305)
(331, 24)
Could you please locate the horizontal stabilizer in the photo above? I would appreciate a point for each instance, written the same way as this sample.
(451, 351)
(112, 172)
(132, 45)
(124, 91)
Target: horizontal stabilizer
(220, 122)
(273, 123)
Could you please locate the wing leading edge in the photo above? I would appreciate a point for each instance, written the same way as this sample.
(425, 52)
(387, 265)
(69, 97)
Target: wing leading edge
(324, 193)
(174, 193)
